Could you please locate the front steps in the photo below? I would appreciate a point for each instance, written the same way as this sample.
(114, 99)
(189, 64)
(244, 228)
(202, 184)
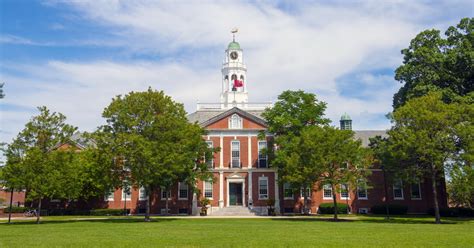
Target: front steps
(231, 211)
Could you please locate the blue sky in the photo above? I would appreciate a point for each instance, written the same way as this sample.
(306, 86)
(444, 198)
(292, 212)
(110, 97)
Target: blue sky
(74, 56)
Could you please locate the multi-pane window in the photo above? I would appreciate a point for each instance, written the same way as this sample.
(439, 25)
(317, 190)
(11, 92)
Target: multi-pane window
(344, 191)
(308, 193)
(362, 190)
(262, 157)
(235, 154)
(235, 122)
(288, 191)
(415, 191)
(263, 188)
(142, 195)
(109, 196)
(182, 191)
(165, 194)
(208, 189)
(398, 190)
(210, 162)
(327, 191)
(126, 192)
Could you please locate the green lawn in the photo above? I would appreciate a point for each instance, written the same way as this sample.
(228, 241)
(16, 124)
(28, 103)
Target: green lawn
(174, 232)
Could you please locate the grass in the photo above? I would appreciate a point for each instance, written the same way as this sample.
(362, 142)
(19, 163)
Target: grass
(360, 231)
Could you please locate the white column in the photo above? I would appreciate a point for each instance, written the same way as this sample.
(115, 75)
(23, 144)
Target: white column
(221, 189)
(250, 189)
(277, 195)
(250, 151)
(221, 157)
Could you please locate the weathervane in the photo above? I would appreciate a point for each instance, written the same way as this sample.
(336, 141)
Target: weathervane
(233, 31)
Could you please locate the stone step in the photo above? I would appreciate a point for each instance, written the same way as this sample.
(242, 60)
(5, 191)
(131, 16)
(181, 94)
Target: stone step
(231, 211)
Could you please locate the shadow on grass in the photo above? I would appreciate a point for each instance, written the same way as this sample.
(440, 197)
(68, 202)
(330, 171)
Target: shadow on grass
(380, 219)
(90, 220)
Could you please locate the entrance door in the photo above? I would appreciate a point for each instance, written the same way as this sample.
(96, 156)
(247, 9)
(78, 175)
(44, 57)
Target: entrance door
(235, 194)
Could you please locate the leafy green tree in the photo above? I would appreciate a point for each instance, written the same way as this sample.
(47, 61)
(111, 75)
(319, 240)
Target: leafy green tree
(293, 111)
(34, 163)
(157, 143)
(432, 62)
(340, 159)
(423, 139)
(2, 95)
(461, 186)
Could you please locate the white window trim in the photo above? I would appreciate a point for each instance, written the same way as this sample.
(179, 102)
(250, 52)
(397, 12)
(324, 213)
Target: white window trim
(285, 187)
(263, 178)
(110, 196)
(237, 117)
(129, 197)
(204, 189)
(411, 192)
(140, 190)
(401, 188)
(309, 193)
(179, 189)
(231, 159)
(210, 144)
(161, 195)
(348, 193)
(258, 157)
(330, 188)
(366, 192)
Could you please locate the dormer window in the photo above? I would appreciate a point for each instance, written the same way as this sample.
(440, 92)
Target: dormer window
(235, 122)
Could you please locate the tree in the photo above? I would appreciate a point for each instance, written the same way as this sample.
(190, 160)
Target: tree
(424, 140)
(2, 95)
(293, 111)
(432, 62)
(34, 163)
(156, 143)
(461, 186)
(341, 159)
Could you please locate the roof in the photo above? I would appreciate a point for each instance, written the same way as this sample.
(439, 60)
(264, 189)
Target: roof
(345, 117)
(207, 116)
(234, 45)
(365, 135)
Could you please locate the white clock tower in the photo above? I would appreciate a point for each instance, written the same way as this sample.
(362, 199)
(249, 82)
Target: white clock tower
(234, 77)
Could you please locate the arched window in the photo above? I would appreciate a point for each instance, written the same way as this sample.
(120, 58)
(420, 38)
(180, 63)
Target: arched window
(242, 77)
(226, 77)
(233, 77)
(235, 122)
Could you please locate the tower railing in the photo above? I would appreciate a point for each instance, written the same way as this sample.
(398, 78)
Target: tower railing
(242, 105)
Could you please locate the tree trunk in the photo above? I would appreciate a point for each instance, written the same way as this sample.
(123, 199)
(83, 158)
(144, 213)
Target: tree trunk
(334, 201)
(305, 201)
(11, 204)
(435, 195)
(39, 211)
(148, 204)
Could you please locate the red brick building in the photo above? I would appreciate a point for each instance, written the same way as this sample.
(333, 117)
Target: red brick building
(243, 177)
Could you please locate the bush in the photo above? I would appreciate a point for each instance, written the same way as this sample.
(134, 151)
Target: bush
(328, 208)
(106, 212)
(15, 209)
(392, 208)
(453, 212)
(59, 212)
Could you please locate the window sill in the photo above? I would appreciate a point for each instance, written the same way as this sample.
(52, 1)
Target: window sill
(362, 198)
(288, 198)
(327, 198)
(398, 199)
(416, 199)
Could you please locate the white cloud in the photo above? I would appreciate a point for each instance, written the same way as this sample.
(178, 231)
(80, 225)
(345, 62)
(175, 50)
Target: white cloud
(308, 48)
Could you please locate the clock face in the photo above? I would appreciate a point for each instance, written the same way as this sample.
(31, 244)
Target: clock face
(234, 55)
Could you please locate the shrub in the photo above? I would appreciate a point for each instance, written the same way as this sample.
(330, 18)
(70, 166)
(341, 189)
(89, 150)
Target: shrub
(392, 208)
(328, 208)
(56, 212)
(15, 209)
(106, 211)
(453, 212)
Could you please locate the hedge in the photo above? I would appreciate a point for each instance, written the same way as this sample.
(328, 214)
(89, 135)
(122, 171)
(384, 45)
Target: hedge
(59, 212)
(15, 209)
(453, 212)
(392, 208)
(328, 208)
(107, 211)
